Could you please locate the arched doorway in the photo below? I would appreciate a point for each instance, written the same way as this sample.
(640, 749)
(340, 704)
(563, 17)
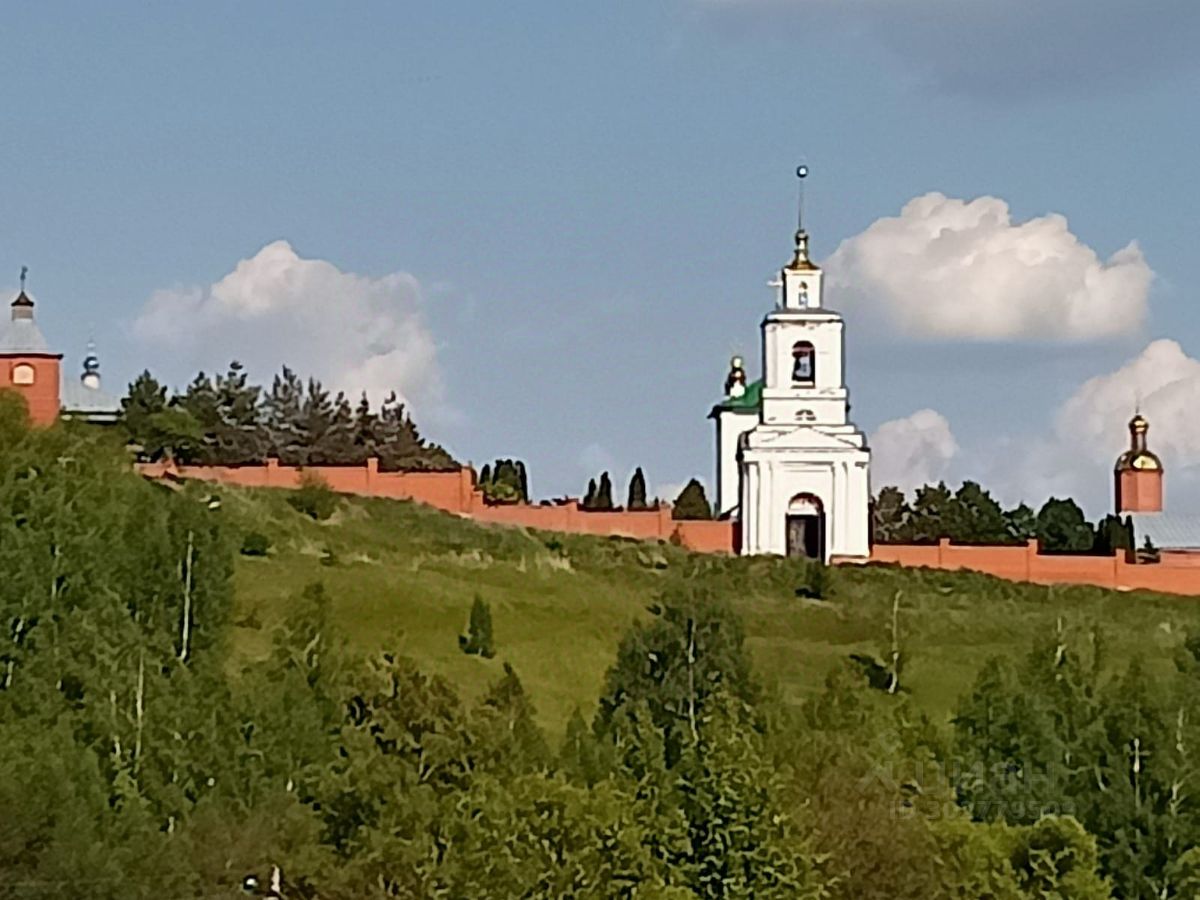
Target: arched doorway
(806, 527)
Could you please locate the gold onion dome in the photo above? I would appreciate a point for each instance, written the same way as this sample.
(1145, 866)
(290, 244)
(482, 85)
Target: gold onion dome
(1138, 458)
(801, 262)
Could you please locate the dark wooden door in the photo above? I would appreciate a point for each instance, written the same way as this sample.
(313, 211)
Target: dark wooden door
(805, 536)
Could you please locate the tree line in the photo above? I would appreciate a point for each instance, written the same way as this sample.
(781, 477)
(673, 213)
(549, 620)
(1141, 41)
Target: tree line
(226, 420)
(144, 759)
(971, 515)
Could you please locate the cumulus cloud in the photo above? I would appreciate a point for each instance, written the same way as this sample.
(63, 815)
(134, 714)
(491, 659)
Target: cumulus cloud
(996, 49)
(1073, 454)
(1163, 381)
(353, 332)
(912, 451)
(959, 269)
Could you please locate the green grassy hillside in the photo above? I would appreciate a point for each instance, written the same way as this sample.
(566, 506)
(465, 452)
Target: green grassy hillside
(403, 577)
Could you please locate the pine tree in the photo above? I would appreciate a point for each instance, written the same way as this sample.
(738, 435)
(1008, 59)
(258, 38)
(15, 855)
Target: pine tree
(343, 449)
(364, 429)
(890, 517)
(239, 436)
(200, 401)
(637, 491)
(315, 425)
(282, 417)
(144, 399)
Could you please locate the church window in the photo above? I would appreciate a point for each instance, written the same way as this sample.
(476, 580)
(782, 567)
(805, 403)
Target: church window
(804, 363)
(22, 373)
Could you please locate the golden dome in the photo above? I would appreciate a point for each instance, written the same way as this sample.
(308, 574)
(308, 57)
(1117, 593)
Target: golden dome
(1139, 461)
(1138, 458)
(800, 261)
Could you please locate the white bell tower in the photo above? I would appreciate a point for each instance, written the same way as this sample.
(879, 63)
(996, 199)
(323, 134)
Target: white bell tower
(803, 469)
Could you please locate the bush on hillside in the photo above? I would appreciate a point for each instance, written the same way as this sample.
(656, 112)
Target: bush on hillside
(255, 543)
(314, 498)
(478, 639)
(692, 503)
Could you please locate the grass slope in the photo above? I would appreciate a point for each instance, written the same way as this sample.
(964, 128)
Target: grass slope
(403, 578)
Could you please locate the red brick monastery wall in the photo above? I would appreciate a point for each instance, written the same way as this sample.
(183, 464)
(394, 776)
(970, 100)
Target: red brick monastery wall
(1177, 573)
(455, 492)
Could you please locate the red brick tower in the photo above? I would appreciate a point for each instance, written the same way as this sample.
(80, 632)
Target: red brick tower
(1139, 473)
(26, 364)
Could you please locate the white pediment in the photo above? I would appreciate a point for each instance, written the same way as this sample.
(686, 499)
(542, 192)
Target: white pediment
(802, 438)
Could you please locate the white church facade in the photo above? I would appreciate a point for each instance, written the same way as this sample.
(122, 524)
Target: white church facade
(791, 467)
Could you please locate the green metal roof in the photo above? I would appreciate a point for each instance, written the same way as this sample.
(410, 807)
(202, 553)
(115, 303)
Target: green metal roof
(749, 402)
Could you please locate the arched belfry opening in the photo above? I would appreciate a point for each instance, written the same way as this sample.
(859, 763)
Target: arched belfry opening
(806, 527)
(804, 363)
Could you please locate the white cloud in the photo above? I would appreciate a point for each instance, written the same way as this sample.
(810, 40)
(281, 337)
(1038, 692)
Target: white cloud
(1073, 455)
(912, 451)
(957, 269)
(352, 332)
(1163, 381)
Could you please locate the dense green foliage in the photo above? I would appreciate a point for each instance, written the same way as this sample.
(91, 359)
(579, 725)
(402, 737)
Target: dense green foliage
(173, 717)
(692, 502)
(505, 482)
(228, 421)
(971, 515)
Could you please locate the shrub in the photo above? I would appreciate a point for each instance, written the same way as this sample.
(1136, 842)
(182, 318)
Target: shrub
(255, 543)
(692, 503)
(314, 498)
(478, 639)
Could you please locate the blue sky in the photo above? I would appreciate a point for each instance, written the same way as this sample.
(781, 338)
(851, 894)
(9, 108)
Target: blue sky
(563, 216)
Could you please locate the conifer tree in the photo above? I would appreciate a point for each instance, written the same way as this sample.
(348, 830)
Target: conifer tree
(239, 436)
(589, 499)
(637, 491)
(343, 449)
(364, 428)
(282, 417)
(523, 481)
(144, 399)
(315, 425)
(604, 498)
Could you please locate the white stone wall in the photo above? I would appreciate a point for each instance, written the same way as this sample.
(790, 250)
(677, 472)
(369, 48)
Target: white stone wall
(731, 426)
